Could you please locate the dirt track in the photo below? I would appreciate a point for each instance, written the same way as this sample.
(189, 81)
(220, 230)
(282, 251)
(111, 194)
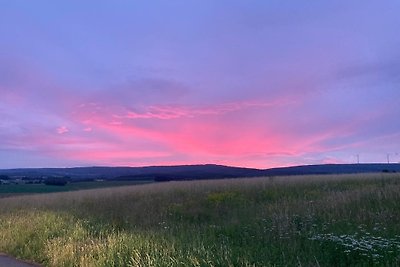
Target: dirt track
(7, 261)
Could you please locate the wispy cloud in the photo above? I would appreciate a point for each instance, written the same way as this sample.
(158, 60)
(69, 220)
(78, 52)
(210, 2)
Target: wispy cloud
(174, 112)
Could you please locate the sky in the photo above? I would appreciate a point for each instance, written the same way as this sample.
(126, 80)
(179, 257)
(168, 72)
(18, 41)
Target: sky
(249, 83)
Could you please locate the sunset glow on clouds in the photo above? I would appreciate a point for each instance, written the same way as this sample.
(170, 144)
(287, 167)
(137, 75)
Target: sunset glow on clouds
(256, 84)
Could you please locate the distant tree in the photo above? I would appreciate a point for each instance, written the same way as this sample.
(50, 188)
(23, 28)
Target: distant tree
(59, 181)
(162, 178)
(4, 177)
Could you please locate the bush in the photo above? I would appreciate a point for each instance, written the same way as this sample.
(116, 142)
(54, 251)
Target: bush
(4, 177)
(59, 181)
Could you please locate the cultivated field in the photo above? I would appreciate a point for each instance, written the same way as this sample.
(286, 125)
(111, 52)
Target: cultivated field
(348, 220)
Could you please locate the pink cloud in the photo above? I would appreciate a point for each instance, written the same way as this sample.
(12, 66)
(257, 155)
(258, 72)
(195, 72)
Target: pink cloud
(221, 133)
(62, 130)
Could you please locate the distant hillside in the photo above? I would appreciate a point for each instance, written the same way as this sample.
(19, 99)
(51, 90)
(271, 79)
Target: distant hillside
(334, 169)
(190, 172)
(207, 171)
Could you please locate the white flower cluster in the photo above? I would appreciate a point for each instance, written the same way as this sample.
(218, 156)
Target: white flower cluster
(366, 245)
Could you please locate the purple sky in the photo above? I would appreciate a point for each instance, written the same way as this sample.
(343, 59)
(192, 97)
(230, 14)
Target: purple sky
(245, 83)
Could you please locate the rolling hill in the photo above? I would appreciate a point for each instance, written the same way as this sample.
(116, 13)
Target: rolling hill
(192, 172)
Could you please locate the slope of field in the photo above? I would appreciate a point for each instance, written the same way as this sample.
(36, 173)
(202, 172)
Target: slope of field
(345, 220)
(24, 189)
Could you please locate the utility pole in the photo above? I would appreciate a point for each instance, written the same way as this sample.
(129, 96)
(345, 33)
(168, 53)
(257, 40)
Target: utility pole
(357, 158)
(388, 158)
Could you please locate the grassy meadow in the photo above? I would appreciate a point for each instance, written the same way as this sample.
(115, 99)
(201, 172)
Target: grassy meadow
(346, 220)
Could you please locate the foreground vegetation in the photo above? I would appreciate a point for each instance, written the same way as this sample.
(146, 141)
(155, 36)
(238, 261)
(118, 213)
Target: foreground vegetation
(282, 221)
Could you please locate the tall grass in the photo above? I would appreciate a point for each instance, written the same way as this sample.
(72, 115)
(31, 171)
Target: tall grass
(283, 221)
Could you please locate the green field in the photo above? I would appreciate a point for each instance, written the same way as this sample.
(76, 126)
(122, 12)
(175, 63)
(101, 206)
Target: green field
(23, 189)
(347, 220)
